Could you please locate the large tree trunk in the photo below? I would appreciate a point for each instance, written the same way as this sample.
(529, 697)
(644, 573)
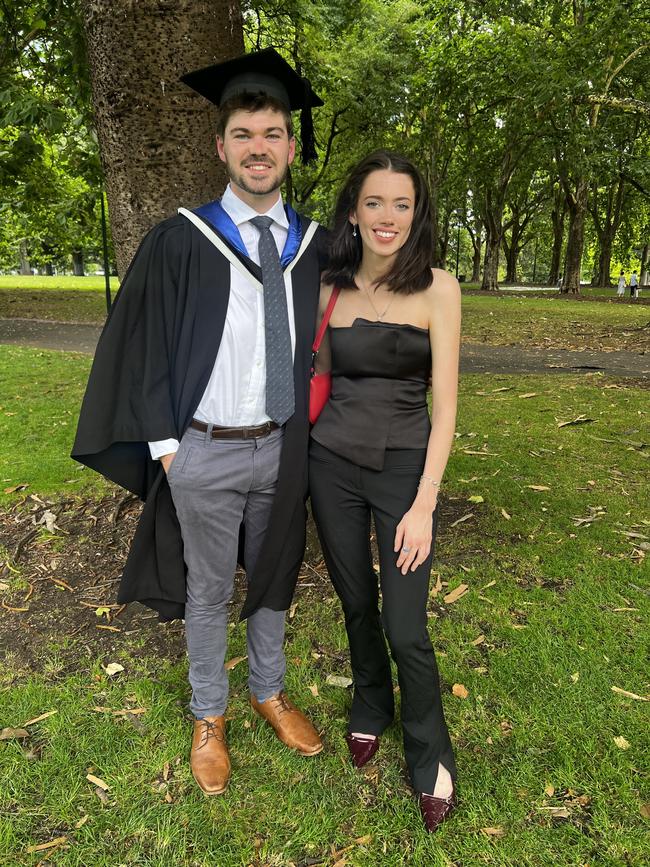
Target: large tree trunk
(577, 205)
(156, 136)
(512, 248)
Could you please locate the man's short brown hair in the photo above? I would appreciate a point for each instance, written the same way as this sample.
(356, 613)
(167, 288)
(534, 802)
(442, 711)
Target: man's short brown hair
(251, 102)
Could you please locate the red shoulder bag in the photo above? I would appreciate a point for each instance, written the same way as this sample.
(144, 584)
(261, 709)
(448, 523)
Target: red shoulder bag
(320, 385)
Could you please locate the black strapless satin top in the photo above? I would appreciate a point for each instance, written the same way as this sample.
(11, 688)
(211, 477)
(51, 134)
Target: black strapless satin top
(380, 373)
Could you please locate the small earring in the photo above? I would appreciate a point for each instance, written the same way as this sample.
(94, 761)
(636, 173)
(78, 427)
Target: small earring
(354, 230)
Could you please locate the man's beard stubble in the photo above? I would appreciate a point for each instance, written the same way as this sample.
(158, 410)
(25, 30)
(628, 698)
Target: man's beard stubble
(274, 182)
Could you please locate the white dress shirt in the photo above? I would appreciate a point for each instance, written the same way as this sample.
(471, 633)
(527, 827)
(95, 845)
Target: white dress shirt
(235, 395)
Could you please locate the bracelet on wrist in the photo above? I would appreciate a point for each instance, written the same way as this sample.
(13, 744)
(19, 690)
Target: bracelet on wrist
(429, 480)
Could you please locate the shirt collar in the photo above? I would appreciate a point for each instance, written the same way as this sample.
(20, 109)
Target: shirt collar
(239, 212)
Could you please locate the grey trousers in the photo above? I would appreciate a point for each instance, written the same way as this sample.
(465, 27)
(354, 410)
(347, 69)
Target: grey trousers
(217, 484)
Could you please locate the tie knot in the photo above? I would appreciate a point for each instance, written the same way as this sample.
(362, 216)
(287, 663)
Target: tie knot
(262, 223)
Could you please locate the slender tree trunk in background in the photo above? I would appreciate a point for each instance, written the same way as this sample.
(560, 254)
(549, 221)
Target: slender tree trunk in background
(49, 269)
(78, 263)
(25, 266)
(156, 136)
(577, 206)
(645, 252)
(606, 228)
(512, 248)
(491, 262)
(443, 241)
(557, 218)
(476, 261)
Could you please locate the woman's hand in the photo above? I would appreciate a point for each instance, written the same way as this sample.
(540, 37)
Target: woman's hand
(413, 537)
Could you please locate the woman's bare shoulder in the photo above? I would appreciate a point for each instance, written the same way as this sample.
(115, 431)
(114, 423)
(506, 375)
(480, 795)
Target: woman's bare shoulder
(443, 284)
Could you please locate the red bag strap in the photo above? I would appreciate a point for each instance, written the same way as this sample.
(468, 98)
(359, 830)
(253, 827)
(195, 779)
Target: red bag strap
(326, 318)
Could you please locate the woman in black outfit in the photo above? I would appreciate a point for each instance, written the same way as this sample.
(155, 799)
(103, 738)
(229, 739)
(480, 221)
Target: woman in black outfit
(375, 451)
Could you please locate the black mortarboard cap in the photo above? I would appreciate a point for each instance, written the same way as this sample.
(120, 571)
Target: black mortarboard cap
(260, 72)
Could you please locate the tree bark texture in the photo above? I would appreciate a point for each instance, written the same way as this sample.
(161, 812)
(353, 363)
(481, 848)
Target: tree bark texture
(156, 136)
(577, 206)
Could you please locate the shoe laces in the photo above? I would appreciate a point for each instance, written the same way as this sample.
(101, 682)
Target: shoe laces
(281, 703)
(209, 730)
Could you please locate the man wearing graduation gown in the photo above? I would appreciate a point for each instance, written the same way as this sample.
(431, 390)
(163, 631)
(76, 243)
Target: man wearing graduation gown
(198, 402)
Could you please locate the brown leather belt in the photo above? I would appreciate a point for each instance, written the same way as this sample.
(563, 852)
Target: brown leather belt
(236, 433)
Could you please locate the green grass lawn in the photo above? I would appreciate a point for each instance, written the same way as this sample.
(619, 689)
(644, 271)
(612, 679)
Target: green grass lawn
(40, 395)
(554, 321)
(529, 320)
(551, 549)
(61, 283)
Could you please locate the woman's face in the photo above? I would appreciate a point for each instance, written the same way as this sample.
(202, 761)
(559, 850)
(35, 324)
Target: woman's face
(384, 211)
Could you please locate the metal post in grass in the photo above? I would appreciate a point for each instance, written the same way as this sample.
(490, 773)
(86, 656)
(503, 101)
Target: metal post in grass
(107, 270)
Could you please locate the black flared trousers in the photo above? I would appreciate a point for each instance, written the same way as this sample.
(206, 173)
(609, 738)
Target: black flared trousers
(344, 496)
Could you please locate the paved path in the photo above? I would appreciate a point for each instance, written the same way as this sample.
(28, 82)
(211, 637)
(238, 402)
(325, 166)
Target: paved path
(475, 357)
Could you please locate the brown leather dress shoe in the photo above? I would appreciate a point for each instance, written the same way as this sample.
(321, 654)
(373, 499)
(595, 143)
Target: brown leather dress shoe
(436, 810)
(209, 758)
(291, 726)
(361, 749)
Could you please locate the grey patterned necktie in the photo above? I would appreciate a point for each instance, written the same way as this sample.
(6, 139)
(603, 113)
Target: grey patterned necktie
(280, 398)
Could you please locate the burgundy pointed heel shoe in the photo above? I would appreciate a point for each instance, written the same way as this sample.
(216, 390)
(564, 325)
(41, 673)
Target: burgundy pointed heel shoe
(436, 810)
(361, 749)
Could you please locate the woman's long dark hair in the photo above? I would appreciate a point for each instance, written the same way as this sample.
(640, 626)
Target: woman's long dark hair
(411, 271)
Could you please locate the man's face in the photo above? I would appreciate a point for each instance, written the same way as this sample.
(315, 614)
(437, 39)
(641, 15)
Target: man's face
(257, 150)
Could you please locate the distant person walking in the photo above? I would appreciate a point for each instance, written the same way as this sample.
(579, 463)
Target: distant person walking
(621, 284)
(634, 285)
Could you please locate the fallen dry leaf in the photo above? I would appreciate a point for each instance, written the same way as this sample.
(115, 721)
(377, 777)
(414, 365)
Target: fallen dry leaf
(338, 680)
(620, 691)
(493, 832)
(621, 743)
(575, 676)
(9, 734)
(460, 690)
(644, 809)
(505, 514)
(108, 628)
(581, 419)
(113, 668)
(557, 812)
(313, 689)
(292, 611)
(456, 593)
(550, 791)
(528, 394)
(58, 841)
(97, 781)
(81, 821)
(233, 662)
(479, 640)
(462, 520)
(14, 488)
(538, 487)
(476, 498)
(40, 718)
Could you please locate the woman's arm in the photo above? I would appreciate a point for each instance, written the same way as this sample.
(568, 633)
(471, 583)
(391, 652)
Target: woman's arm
(415, 528)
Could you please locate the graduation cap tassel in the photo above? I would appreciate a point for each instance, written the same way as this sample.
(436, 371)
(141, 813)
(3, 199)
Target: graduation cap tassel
(307, 137)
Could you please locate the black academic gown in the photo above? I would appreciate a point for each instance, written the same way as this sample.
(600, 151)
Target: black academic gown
(152, 365)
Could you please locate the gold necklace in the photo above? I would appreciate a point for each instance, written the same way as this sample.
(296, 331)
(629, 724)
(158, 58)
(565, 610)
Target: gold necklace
(379, 315)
